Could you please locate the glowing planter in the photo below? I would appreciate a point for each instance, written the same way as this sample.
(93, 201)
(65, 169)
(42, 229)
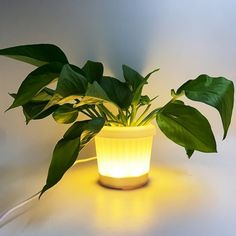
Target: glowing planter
(123, 155)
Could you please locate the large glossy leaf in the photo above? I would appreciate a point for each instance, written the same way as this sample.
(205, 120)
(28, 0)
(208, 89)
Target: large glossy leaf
(132, 77)
(217, 92)
(117, 91)
(187, 127)
(35, 82)
(35, 54)
(71, 81)
(67, 149)
(65, 114)
(93, 71)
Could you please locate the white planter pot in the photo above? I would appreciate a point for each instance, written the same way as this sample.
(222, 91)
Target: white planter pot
(123, 155)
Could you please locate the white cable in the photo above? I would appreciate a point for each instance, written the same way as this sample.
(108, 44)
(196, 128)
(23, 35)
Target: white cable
(4, 215)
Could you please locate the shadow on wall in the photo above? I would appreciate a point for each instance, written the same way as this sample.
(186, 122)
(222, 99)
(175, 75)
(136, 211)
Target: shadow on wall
(124, 39)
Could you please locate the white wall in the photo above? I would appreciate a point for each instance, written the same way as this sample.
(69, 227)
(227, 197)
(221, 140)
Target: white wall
(184, 38)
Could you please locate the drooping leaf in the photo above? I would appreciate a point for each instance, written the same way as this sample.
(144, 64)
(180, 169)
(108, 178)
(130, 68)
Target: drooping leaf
(36, 81)
(93, 71)
(64, 156)
(67, 149)
(35, 111)
(187, 127)
(217, 92)
(53, 102)
(117, 91)
(35, 108)
(65, 114)
(35, 54)
(71, 82)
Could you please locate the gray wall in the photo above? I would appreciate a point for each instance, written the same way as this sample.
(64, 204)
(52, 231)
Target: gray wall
(184, 38)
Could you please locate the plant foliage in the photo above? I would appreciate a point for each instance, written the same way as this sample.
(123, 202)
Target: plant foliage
(87, 91)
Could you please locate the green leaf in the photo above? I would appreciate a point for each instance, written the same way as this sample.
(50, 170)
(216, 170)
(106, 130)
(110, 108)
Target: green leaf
(36, 81)
(86, 129)
(55, 100)
(95, 94)
(64, 156)
(71, 81)
(144, 100)
(117, 91)
(136, 82)
(189, 152)
(132, 77)
(93, 71)
(149, 74)
(137, 94)
(67, 149)
(65, 114)
(35, 54)
(33, 110)
(187, 127)
(217, 92)
(43, 96)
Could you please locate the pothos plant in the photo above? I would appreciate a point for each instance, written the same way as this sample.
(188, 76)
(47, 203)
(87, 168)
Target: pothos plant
(85, 90)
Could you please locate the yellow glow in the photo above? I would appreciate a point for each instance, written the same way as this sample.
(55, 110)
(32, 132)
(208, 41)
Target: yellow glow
(124, 152)
(171, 192)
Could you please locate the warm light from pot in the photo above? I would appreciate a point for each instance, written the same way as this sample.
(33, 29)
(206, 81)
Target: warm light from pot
(123, 157)
(124, 153)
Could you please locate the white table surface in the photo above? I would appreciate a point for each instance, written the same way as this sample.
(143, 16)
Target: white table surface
(194, 197)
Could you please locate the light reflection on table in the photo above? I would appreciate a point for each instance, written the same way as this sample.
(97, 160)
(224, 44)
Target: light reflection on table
(79, 200)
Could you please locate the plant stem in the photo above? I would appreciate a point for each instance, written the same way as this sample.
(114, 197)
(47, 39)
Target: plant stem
(95, 111)
(103, 114)
(133, 114)
(149, 117)
(107, 112)
(90, 112)
(85, 113)
(152, 115)
(115, 122)
(142, 115)
(122, 116)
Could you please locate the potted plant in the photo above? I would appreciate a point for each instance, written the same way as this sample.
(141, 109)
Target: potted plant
(124, 134)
